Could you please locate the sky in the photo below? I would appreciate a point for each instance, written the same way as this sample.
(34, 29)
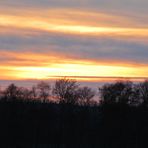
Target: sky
(43, 39)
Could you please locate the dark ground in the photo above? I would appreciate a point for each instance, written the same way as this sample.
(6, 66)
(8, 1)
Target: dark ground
(64, 125)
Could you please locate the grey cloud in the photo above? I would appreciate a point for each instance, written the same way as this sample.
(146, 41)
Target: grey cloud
(90, 48)
(124, 6)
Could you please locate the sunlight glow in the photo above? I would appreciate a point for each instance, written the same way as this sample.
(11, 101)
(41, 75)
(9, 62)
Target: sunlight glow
(43, 65)
(27, 22)
(73, 70)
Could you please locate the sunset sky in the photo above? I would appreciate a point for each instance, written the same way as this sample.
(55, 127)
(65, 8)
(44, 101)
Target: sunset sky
(86, 38)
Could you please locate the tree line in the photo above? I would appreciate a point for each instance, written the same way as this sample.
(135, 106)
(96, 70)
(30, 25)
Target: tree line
(64, 90)
(68, 91)
(125, 92)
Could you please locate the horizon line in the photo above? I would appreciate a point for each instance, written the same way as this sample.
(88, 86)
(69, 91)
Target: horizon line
(76, 77)
(95, 77)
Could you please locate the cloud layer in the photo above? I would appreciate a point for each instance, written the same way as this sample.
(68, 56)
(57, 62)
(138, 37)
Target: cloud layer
(54, 38)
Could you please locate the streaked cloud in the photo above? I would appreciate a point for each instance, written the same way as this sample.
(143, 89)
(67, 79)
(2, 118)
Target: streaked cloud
(38, 66)
(132, 6)
(55, 38)
(68, 25)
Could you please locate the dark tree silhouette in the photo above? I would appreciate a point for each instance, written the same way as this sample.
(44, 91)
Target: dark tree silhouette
(65, 91)
(85, 95)
(135, 97)
(25, 94)
(34, 93)
(119, 92)
(12, 92)
(43, 91)
(1, 93)
(143, 92)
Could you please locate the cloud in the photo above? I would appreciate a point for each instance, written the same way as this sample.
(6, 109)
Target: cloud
(135, 7)
(45, 38)
(82, 47)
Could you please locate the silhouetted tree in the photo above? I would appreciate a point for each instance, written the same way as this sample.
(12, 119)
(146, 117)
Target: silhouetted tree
(11, 92)
(125, 91)
(135, 98)
(1, 93)
(65, 91)
(24, 94)
(34, 93)
(119, 92)
(85, 95)
(143, 92)
(44, 91)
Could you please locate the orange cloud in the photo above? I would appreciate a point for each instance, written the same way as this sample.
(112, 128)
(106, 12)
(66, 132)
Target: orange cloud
(17, 65)
(64, 21)
(41, 66)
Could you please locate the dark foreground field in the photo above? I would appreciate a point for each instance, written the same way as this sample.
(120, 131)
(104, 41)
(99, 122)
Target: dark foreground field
(65, 125)
(28, 119)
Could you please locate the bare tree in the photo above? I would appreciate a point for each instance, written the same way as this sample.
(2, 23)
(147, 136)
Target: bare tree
(24, 94)
(143, 92)
(11, 92)
(44, 91)
(85, 95)
(106, 94)
(135, 98)
(119, 92)
(65, 91)
(34, 93)
(1, 93)
(126, 92)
